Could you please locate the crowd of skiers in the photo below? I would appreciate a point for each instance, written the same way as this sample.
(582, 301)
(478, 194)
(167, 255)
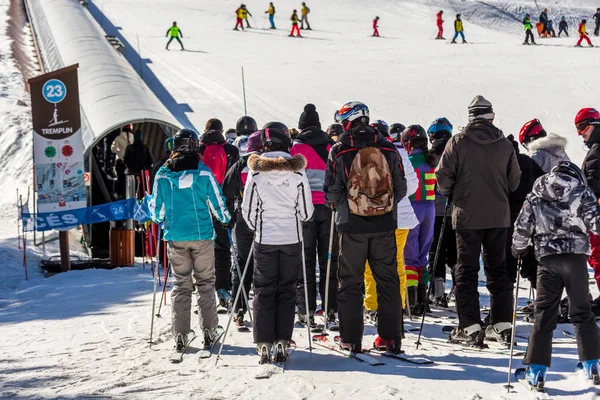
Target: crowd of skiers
(366, 205)
(545, 28)
(242, 14)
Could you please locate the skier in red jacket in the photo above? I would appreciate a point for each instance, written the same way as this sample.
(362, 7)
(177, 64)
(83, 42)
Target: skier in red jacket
(583, 34)
(440, 25)
(375, 31)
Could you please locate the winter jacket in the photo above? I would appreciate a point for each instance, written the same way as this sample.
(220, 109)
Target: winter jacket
(544, 18)
(597, 18)
(294, 19)
(314, 145)
(582, 29)
(305, 10)
(241, 13)
(530, 171)
(458, 25)
(137, 158)
(478, 170)
(548, 151)
(336, 183)
(157, 166)
(406, 215)
(375, 21)
(439, 19)
(563, 25)
(591, 163)
(120, 143)
(426, 176)
(174, 32)
(440, 200)
(556, 217)
(271, 10)
(235, 181)
(527, 23)
(277, 198)
(185, 195)
(216, 137)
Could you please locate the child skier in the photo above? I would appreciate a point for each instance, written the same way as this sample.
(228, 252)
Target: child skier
(583, 34)
(305, 11)
(551, 30)
(562, 27)
(418, 243)
(375, 30)
(294, 20)
(277, 200)
(527, 26)
(271, 12)
(458, 29)
(440, 25)
(182, 181)
(556, 217)
(241, 14)
(174, 32)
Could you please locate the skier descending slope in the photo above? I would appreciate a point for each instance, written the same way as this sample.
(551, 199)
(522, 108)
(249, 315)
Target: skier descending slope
(366, 222)
(556, 217)
(480, 216)
(276, 202)
(375, 30)
(174, 32)
(186, 193)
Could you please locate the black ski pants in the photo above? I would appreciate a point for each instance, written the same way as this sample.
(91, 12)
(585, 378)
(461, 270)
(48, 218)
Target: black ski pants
(447, 254)
(529, 35)
(528, 262)
(556, 272)
(275, 276)
(597, 29)
(243, 239)
(316, 248)
(222, 257)
(380, 250)
(469, 244)
(561, 30)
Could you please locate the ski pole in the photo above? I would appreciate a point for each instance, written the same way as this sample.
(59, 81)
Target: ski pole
(239, 272)
(156, 278)
(306, 298)
(435, 264)
(164, 293)
(514, 325)
(331, 228)
(237, 297)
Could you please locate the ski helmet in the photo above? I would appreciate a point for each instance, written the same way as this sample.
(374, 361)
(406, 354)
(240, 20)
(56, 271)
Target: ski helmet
(351, 112)
(169, 144)
(567, 167)
(335, 130)
(396, 130)
(586, 117)
(246, 125)
(583, 21)
(530, 131)
(439, 127)
(255, 142)
(276, 133)
(186, 141)
(382, 127)
(412, 132)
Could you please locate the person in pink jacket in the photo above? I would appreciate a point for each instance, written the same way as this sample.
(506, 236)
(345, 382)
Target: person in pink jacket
(440, 25)
(375, 30)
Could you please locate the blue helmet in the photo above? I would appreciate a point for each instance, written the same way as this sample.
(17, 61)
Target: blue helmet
(439, 125)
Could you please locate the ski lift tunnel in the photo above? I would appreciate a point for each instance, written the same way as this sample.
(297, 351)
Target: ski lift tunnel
(112, 94)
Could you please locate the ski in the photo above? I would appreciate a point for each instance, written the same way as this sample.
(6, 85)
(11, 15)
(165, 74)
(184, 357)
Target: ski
(278, 367)
(207, 351)
(540, 393)
(402, 357)
(243, 327)
(322, 341)
(177, 356)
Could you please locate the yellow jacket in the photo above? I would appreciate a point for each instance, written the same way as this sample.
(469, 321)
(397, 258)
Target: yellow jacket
(242, 13)
(294, 18)
(305, 10)
(271, 10)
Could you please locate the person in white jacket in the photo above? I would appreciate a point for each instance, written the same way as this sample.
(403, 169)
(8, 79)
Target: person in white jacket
(407, 220)
(277, 200)
(118, 147)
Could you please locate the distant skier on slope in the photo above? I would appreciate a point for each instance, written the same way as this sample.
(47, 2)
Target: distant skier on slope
(375, 30)
(440, 25)
(582, 30)
(241, 14)
(458, 30)
(551, 30)
(271, 12)
(544, 21)
(562, 27)
(294, 19)
(597, 19)
(304, 20)
(527, 26)
(175, 32)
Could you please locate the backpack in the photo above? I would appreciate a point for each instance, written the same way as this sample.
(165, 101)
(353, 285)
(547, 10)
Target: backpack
(370, 186)
(215, 158)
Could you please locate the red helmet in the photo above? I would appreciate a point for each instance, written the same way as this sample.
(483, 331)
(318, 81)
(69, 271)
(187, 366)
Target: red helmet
(586, 117)
(530, 130)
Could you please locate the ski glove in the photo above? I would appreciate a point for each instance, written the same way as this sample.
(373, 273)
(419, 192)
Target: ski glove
(519, 253)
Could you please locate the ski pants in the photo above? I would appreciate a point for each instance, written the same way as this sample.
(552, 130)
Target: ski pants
(380, 250)
(304, 20)
(275, 276)
(556, 272)
(440, 31)
(316, 249)
(222, 256)
(375, 32)
(120, 172)
(174, 38)
(594, 259)
(469, 243)
(561, 30)
(239, 22)
(462, 35)
(529, 35)
(544, 29)
(192, 259)
(295, 29)
(418, 244)
(247, 23)
(272, 21)
(371, 286)
(597, 29)
(243, 239)
(528, 262)
(582, 38)
(447, 256)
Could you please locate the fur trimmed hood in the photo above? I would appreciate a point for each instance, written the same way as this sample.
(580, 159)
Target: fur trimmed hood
(276, 161)
(548, 143)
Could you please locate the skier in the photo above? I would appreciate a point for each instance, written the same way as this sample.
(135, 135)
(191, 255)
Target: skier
(294, 20)
(546, 150)
(597, 19)
(375, 30)
(582, 30)
(276, 201)
(557, 217)
(396, 130)
(175, 33)
(118, 147)
(440, 25)
(244, 127)
(335, 131)
(182, 181)
(551, 30)
(439, 133)
(137, 156)
(233, 190)
(527, 26)
(219, 156)
(314, 145)
(305, 11)
(458, 29)
(562, 27)
(366, 225)
(544, 21)
(271, 12)
(241, 15)
(480, 216)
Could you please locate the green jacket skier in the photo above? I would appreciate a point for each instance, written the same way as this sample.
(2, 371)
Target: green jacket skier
(175, 33)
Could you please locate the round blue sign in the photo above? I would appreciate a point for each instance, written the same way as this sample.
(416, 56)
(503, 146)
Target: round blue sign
(54, 91)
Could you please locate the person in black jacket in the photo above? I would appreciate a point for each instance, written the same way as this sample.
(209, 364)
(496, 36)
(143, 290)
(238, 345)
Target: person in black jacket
(597, 19)
(544, 21)
(137, 156)
(366, 234)
(563, 26)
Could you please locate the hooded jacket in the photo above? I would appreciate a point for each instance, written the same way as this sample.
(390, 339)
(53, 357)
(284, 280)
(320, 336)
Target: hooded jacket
(478, 170)
(186, 193)
(336, 182)
(235, 181)
(314, 145)
(216, 137)
(591, 163)
(556, 217)
(530, 171)
(277, 198)
(548, 151)
(406, 214)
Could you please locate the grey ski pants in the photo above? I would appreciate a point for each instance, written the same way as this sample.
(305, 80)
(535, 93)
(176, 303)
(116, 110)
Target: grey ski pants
(193, 258)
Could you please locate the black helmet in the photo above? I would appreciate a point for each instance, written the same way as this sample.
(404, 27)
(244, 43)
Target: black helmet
(246, 126)
(396, 130)
(567, 167)
(412, 132)
(186, 141)
(335, 130)
(382, 127)
(276, 133)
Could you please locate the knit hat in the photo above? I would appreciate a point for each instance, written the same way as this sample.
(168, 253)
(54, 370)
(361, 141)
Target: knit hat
(310, 117)
(213, 124)
(254, 142)
(480, 108)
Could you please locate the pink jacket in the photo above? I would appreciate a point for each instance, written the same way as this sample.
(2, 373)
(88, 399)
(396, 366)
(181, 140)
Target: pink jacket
(315, 169)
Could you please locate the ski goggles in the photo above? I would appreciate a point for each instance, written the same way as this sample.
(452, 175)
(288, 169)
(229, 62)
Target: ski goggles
(583, 125)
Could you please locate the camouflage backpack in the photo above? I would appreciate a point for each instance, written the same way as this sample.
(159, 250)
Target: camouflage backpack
(370, 187)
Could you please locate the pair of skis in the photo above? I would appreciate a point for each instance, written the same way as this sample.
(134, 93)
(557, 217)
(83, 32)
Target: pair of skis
(269, 369)
(204, 353)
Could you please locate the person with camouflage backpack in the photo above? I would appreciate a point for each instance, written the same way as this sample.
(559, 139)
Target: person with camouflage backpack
(364, 182)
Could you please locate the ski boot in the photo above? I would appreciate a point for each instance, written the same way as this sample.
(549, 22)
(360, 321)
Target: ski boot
(454, 42)
(441, 302)
(210, 336)
(393, 346)
(536, 376)
(371, 316)
(500, 332)
(592, 370)
(464, 41)
(224, 297)
(355, 347)
(180, 342)
(472, 335)
(311, 319)
(265, 352)
(280, 350)
(238, 319)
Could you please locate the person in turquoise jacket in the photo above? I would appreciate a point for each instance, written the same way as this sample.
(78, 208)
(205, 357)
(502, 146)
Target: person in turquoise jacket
(186, 193)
